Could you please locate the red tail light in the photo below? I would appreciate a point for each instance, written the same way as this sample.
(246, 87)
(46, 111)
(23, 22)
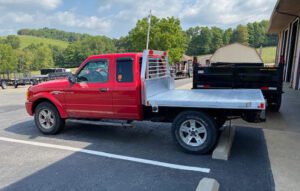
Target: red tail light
(264, 88)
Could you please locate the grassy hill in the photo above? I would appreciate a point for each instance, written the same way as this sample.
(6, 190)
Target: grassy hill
(27, 40)
(268, 54)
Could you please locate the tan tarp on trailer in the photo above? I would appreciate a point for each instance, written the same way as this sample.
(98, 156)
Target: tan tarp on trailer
(236, 53)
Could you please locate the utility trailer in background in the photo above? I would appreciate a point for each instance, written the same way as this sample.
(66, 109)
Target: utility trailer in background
(3, 83)
(27, 79)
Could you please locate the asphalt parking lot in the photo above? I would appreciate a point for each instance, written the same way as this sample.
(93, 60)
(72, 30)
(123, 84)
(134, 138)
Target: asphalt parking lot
(28, 166)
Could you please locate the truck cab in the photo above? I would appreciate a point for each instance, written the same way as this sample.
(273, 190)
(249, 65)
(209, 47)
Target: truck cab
(104, 86)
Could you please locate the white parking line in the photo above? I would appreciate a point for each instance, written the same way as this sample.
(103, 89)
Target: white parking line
(109, 155)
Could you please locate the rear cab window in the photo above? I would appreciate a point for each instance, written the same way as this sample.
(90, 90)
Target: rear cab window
(124, 70)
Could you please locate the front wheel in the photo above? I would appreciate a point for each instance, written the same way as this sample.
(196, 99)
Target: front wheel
(47, 119)
(194, 132)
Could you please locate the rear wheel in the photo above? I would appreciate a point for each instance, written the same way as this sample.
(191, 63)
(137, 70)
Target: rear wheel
(47, 119)
(194, 132)
(275, 106)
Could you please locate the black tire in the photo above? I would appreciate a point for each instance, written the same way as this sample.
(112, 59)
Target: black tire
(206, 121)
(275, 106)
(58, 123)
(3, 85)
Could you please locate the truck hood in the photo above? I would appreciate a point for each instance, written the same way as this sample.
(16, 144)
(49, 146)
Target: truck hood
(51, 85)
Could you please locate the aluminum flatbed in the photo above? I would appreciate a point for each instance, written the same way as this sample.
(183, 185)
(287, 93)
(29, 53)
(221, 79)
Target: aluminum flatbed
(158, 91)
(221, 98)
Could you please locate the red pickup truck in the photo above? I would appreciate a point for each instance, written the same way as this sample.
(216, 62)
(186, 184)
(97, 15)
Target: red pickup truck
(114, 89)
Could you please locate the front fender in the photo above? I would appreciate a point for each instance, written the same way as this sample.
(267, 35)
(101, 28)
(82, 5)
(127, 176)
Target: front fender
(48, 96)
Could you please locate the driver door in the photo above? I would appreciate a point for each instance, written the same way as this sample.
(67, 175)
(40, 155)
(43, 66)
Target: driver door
(91, 95)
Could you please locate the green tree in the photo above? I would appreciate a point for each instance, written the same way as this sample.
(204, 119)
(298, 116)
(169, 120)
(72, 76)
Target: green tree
(251, 34)
(122, 44)
(13, 41)
(194, 46)
(193, 36)
(57, 55)
(193, 32)
(78, 51)
(217, 39)
(240, 35)
(227, 36)
(74, 54)
(21, 61)
(200, 43)
(204, 41)
(7, 59)
(53, 34)
(259, 34)
(166, 34)
(42, 56)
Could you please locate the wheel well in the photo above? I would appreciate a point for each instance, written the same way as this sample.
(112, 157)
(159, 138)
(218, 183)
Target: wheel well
(37, 102)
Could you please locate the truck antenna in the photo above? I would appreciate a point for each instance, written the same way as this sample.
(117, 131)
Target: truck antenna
(148, 33)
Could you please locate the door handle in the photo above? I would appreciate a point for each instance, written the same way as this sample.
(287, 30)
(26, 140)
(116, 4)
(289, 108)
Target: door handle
(103, 90)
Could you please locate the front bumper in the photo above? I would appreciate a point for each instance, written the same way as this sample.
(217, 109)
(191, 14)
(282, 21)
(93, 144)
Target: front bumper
(29, 109)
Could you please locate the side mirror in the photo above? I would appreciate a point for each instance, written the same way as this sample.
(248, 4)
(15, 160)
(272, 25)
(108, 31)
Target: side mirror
(72, 79)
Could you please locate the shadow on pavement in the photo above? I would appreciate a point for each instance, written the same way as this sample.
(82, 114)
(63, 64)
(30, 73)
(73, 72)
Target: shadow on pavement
(247, 169)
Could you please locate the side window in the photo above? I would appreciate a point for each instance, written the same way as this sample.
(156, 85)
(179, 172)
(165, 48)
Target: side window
(124, 70)
(94, 71)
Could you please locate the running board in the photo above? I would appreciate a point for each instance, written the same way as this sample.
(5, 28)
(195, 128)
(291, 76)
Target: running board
(101, 123)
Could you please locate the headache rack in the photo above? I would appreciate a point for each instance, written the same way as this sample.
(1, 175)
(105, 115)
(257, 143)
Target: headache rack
(155, 74)
(157, 64)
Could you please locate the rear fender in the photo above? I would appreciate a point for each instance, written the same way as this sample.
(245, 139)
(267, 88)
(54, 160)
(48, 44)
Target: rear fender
(49, 97)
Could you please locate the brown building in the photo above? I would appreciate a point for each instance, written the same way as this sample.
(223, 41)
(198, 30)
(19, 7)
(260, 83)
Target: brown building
(285, 22)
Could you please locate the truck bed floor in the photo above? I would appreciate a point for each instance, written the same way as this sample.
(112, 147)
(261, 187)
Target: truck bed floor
(214, 98)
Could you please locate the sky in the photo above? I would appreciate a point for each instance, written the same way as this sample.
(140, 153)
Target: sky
(115, 18)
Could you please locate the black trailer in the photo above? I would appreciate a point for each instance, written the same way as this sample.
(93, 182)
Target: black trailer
(242, 76)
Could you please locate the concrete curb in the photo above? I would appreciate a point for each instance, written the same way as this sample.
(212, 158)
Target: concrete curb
(222, 151)
(208, 184)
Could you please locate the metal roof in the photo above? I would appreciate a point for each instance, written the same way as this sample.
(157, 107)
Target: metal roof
(285, 11)
(236, 53)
